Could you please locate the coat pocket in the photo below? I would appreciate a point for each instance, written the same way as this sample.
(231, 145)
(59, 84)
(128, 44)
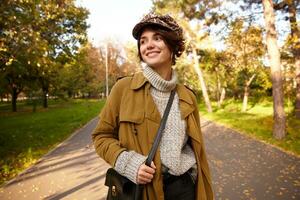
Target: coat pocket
(137, 117)
(132, 128)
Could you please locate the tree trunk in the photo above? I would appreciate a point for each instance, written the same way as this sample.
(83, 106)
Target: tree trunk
(14, 97)
(218, 89)
(223, 93)
(70, 94)
(279, 129)
(295, 32)
(202, 82)
(246, 93)
(245, 99)
(45, 98)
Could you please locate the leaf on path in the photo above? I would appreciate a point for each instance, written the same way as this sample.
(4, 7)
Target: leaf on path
(296, 183)
(246, 192)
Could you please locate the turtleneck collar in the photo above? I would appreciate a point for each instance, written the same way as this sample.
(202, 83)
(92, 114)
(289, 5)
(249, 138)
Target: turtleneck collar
(158, 82)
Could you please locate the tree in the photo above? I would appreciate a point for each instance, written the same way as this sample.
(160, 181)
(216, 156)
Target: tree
(295, 43)
(20, 47)
(288, 68)
(83, 76)
(32, 52)
(132, 62)
(245, 49)
(220, 71)
(206, 10)
(289, 9)
(63, 26)
(279, 129)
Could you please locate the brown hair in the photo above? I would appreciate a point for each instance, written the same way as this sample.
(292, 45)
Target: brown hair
(175, 44)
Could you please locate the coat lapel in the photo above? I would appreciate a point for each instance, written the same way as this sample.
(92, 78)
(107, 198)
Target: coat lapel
(185, 101)
(152, 112)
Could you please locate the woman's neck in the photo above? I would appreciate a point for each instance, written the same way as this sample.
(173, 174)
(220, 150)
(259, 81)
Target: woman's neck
(164, 72)
(158, 82)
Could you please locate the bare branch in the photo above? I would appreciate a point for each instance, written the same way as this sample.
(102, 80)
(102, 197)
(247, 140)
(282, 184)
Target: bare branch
(280, 6)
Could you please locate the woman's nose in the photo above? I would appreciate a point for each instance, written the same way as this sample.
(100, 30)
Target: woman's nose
(150, 44)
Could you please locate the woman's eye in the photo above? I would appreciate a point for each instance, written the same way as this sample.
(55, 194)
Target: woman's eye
(157, 38)
(142, 42)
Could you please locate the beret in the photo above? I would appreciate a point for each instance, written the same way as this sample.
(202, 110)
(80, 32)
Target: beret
(165, 21)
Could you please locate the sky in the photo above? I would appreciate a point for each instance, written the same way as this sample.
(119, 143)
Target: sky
(113, 19)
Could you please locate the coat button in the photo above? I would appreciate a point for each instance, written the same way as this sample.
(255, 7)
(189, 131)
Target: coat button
(135, 131)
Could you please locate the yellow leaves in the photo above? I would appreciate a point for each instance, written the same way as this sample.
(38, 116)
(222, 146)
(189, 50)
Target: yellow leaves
(9, 62)
(246, 192)
(294, 39)
(279, 193)
(34, 188)
(297, 183)
(3, 49)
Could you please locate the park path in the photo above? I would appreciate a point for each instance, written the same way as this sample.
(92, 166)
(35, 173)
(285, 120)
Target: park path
(71, 171)
(242, 168)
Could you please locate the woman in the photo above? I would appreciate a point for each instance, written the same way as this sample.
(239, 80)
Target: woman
(129, 121)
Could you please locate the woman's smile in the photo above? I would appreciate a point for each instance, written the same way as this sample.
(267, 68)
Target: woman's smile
(152, 53)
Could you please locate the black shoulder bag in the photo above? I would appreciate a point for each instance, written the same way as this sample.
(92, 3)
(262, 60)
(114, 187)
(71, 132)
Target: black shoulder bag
(121, 188)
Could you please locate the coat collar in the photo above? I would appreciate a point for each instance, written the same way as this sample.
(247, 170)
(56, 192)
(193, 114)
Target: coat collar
(138, 81)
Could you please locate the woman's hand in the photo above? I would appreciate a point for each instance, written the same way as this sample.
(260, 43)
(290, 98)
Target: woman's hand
(145, 173)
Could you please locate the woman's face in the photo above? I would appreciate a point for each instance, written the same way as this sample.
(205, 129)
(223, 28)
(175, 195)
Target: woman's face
(154, 50)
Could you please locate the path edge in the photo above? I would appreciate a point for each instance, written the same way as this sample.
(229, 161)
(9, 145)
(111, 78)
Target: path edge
(48, 153)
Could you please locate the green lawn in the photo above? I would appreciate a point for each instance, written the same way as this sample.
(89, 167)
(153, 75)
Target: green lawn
(25, 136)
(257, 122)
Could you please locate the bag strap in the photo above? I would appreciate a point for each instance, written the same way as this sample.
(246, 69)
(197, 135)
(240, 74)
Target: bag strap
(139, 188)
(160, 129)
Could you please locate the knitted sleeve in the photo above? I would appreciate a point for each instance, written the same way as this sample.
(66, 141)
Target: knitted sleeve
(128, 163)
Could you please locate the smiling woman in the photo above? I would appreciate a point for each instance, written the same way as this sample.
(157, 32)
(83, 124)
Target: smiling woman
(131, 116)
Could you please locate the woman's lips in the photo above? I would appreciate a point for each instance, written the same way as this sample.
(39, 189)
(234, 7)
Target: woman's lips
(152, 53)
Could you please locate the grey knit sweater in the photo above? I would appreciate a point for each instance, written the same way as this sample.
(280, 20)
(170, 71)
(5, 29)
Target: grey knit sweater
(176, 155)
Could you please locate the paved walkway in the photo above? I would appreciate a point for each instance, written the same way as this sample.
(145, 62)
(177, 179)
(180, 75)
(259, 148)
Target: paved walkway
(242, 168)
(72, 171)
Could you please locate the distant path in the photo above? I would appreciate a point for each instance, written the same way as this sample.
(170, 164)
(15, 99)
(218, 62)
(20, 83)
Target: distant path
(242, 168)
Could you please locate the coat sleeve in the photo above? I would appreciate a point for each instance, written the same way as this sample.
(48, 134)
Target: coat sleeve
(105, 135)
(203, 158)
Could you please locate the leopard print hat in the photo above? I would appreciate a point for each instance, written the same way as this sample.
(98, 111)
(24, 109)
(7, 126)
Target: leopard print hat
(165, 21)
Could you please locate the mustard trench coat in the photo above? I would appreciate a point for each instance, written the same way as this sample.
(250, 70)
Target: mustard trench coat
(130, 120)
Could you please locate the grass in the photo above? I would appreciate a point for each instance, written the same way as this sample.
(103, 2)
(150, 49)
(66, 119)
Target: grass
(25, 135)
(257, 122)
